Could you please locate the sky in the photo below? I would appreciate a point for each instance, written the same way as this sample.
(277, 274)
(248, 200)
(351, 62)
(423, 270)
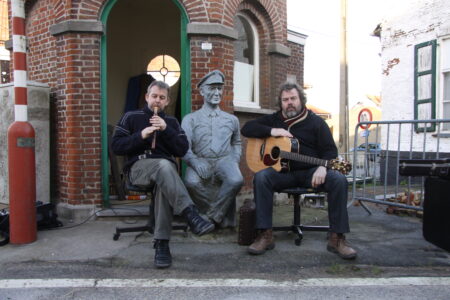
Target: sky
(320, 20)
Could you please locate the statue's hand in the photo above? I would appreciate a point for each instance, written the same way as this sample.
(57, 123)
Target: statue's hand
(202, 168)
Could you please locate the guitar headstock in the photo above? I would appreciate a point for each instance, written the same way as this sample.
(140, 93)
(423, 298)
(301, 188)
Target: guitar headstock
(340, 165)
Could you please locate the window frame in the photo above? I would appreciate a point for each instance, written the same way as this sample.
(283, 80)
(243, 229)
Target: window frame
(442, 70)
(417, 75)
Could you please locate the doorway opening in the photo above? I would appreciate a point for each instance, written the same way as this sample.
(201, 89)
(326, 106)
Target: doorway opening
(136, 32)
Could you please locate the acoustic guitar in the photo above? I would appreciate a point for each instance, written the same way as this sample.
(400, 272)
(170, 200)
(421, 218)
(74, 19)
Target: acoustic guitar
(276, 152)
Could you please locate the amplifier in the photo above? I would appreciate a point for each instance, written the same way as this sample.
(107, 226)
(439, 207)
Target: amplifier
(425, 167)
(436, 210)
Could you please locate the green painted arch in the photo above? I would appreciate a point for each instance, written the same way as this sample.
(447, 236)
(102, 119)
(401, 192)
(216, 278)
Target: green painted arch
(185, 86)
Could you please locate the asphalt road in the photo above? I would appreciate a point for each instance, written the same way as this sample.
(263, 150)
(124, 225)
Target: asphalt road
(83, 262)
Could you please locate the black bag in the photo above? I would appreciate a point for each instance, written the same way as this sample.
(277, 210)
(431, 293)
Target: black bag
(4, 227)
(425, 167)
(46, 218)
(436, 223)
(247, 231)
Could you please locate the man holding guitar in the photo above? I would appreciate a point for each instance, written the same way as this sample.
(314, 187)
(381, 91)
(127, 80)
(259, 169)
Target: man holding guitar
(313, 168)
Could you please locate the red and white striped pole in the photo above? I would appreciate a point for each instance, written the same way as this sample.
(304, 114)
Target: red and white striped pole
(21, 141)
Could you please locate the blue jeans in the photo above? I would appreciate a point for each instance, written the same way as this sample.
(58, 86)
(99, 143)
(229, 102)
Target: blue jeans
(268, 181)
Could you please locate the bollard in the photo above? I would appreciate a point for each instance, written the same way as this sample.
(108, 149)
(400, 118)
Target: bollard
(22, 183)
(21, 140)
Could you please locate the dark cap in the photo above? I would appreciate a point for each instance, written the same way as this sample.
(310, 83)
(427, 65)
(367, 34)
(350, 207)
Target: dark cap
(213, 77)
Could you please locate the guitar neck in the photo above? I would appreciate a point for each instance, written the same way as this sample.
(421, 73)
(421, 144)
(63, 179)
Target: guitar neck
(304, 158)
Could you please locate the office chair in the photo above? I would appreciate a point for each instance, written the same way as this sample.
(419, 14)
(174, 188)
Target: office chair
(297, 227)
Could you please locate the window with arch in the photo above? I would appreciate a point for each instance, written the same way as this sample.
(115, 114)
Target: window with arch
(164, 68)
(246, 63)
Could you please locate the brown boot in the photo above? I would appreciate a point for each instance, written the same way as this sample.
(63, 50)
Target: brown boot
(338, 244)
(263, 242)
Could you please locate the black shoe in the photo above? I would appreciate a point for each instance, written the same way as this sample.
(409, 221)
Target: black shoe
(197, 224)
(163, 258)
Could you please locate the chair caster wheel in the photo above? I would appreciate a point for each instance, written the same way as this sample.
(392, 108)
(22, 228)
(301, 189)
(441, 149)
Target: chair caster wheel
(298, 241)
(116, 236)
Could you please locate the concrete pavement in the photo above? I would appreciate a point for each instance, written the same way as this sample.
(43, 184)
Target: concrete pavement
(387, 245)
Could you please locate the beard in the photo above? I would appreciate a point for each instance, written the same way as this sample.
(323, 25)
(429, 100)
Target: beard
(291, 113)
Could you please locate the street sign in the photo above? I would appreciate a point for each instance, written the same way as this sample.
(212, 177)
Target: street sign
(365, 115)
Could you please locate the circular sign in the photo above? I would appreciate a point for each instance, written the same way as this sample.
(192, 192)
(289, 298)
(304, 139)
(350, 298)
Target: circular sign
(365, 115)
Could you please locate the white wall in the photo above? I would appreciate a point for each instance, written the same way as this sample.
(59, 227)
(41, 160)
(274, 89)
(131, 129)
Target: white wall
(38, 116)
(406, 24)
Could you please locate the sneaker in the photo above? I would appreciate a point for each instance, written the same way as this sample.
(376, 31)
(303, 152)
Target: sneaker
(163, 258)
(198, 225)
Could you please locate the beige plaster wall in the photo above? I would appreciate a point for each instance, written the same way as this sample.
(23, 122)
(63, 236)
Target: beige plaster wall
(38, 116)
(138, 31)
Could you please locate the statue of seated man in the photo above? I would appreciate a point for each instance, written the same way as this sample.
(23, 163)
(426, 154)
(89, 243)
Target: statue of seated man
(212, 177)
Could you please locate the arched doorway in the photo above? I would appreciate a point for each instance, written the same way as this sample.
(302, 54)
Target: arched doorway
(136, 32)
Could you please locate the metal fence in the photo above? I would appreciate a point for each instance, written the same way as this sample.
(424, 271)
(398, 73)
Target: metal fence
(376, 155)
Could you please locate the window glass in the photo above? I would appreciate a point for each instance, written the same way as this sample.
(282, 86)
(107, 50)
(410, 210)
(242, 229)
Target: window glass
(424, 87)
(424, 59)
(447, 86)
(244, 45)
(446, 100)
(164, 68)
(246, 69)
(445, 67)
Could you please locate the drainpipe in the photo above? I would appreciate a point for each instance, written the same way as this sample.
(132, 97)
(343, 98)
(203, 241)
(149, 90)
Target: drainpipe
(21, 141)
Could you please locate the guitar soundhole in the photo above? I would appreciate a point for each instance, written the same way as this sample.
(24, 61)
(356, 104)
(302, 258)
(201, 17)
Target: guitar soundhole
(275, 152)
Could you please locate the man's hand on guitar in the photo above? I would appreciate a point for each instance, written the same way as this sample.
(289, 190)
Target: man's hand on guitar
(280, 132)
(318, 177)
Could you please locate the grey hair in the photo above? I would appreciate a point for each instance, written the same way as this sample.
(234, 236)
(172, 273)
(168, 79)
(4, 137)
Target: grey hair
(161, 84)
(289, 85)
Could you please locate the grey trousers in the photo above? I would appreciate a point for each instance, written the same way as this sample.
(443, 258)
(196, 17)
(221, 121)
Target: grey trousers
(170, 194)
(268, 181)
(216, 196)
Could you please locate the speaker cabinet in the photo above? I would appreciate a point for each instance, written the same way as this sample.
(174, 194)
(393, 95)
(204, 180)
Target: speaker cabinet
(436, 212)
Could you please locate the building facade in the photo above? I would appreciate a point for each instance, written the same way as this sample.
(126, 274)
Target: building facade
(96, 55)
(415, 56)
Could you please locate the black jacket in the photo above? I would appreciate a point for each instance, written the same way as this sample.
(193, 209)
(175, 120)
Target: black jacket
(313, 134)
(127, 139)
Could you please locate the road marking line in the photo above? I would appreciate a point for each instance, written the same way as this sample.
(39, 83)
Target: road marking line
(147, 283)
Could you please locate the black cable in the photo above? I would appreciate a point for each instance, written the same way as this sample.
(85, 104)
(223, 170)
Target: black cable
(89, 217)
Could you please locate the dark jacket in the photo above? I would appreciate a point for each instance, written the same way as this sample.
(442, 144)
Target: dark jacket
(313, 134)
(127, 139)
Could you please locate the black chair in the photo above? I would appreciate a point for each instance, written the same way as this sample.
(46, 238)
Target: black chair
(297, 227)
(150, 226)
(123, 187)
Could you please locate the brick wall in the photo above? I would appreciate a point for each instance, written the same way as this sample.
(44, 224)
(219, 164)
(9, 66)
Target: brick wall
(220, 57)
(70, 64)
(78, 141)
(295, 62)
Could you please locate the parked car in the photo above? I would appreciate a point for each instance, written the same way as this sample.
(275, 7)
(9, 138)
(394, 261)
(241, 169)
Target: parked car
(374, 148)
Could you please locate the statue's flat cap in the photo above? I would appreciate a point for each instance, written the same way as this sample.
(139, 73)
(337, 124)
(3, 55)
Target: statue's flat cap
(213, 77)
